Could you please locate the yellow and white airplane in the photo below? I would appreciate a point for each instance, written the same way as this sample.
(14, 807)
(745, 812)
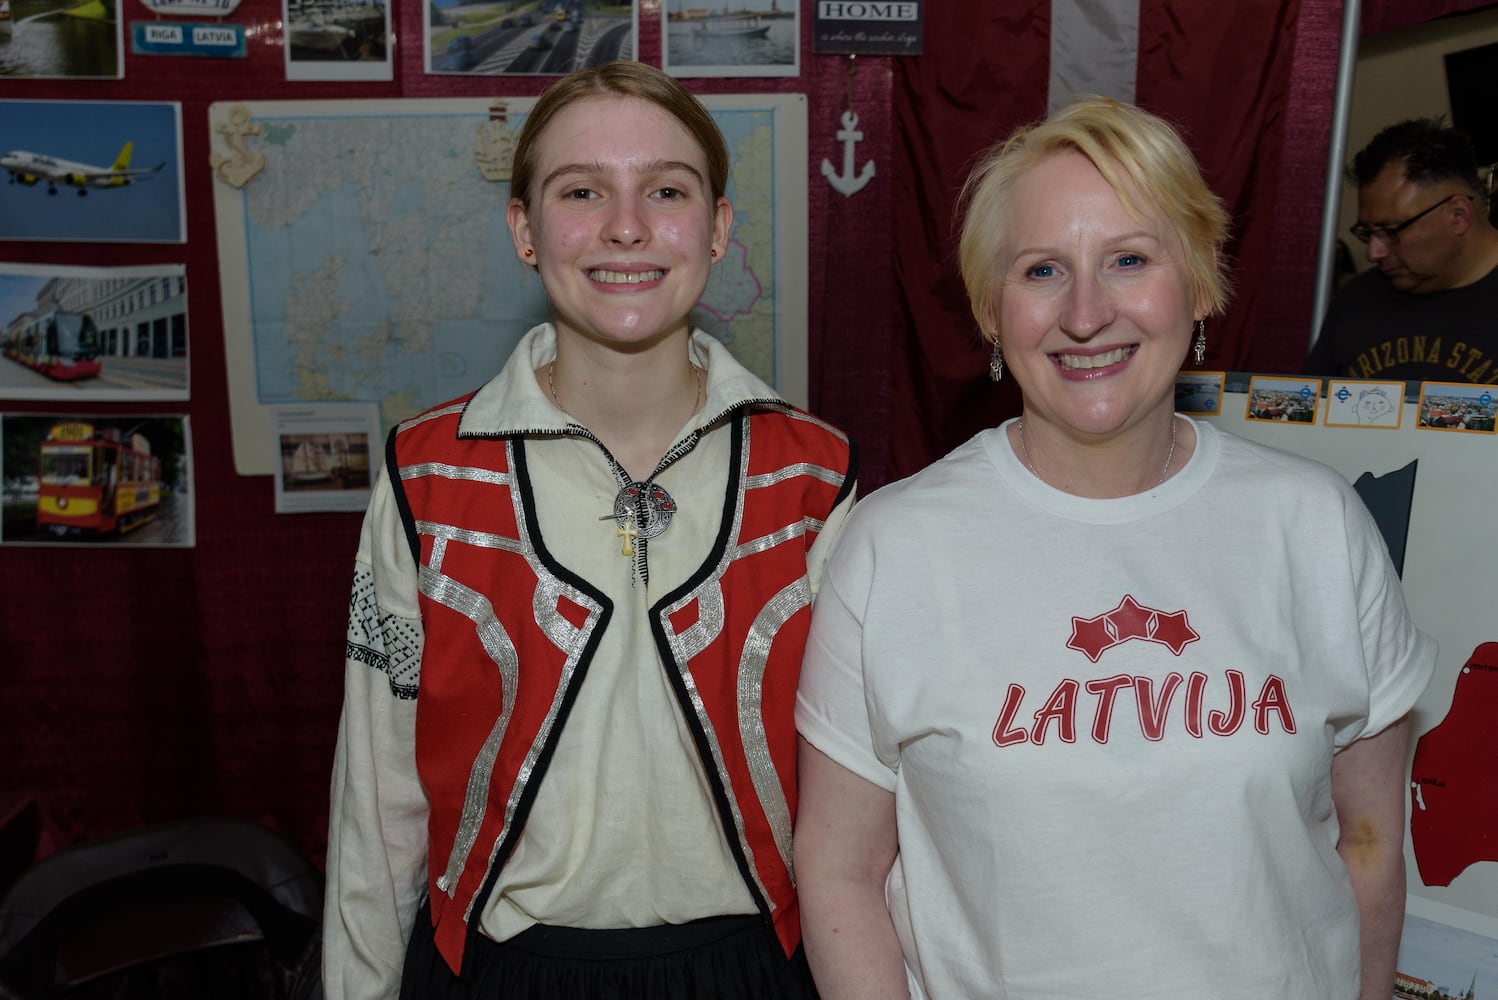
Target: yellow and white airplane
(29, 168)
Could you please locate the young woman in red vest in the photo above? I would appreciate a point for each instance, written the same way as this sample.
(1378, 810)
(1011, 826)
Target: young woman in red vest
(566, 763)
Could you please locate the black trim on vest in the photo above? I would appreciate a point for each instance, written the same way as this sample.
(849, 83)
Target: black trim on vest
(398, 488)
(722, 801)
(520, 481)
(737, 432)
(850, 478)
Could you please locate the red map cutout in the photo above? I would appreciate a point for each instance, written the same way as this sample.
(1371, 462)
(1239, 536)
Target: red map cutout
(1454, 780)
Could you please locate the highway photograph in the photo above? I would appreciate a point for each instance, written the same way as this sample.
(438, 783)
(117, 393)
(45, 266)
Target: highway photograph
(549, 37)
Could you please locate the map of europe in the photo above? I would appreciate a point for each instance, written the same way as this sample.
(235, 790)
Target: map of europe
(377, 266)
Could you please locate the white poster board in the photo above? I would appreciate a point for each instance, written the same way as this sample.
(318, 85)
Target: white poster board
(1450, 575)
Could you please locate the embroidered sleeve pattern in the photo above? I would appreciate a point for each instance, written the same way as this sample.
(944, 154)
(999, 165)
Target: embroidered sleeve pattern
(383, 641)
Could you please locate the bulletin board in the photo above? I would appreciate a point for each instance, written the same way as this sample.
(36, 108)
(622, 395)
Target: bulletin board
(1449, 475)
(213, 671)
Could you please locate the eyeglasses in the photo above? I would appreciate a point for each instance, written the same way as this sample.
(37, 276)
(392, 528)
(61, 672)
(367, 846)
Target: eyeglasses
(1390, 234)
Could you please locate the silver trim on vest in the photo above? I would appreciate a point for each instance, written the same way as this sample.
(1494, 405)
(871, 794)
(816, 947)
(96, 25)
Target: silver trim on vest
(781, 536)
(501, 649)
(819, 472)
(807, 418)
(441, 534)
(433, 415)
(700, 634)
(767, 785)
(446, 471)
(752, 662)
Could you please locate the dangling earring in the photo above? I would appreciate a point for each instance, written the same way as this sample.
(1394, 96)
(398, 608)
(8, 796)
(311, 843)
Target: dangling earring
(1200, 347)
(996, 360)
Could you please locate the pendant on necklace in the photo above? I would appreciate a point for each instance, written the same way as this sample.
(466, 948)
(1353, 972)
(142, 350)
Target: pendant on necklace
(641, 510)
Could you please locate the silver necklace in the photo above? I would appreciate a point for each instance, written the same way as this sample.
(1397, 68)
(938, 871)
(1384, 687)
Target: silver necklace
(1024, 452)
(642, 509)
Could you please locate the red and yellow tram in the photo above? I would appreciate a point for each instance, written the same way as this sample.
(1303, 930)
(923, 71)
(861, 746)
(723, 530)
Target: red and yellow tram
(97, 480)
(60, 344)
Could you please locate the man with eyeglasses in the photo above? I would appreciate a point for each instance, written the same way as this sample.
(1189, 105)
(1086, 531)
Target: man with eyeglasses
(1428, 308)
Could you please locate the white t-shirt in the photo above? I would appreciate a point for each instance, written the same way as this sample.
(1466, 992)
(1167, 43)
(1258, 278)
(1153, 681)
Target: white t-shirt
(1108, 724)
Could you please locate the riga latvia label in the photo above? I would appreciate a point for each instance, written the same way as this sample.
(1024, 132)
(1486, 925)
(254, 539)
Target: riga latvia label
(186, 38)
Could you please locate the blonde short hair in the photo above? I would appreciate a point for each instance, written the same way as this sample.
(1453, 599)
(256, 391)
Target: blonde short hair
(1136, 152)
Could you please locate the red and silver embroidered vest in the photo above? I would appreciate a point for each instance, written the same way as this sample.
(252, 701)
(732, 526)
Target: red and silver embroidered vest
(510, 635)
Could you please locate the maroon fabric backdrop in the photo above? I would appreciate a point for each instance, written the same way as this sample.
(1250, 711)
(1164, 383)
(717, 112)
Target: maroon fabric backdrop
(151, 685)
(142, 686)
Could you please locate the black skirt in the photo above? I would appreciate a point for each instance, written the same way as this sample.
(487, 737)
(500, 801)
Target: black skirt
(719, 958)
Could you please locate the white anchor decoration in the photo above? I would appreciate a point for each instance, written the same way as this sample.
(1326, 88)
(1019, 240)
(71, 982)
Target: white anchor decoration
(846, 182)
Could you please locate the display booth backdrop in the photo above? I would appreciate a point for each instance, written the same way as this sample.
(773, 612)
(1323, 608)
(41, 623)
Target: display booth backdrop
(145, 685)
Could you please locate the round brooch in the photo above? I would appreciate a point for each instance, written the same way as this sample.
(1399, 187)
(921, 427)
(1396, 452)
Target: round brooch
(647, 505)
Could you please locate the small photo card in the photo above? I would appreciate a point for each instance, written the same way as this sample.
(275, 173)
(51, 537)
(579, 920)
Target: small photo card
(93, 333)
(1458, 406)
(1364, 404)
(337, 40)
(78, 479)
(1199, 392)
(523, 39)
(1291, 400)
(61, 39)
(753, 38)
(1446, 951)
(329, 454)
(92, 171)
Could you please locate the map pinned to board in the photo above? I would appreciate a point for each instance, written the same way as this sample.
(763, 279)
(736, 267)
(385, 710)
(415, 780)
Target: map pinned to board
(1454, 809)
(369, 260)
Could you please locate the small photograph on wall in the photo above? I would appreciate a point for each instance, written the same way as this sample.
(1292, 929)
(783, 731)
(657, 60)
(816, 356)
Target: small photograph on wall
(96, 479)
(1458, 406)
(61, 39)
(108, 333)
(1446, 952)
(526, 38)
(100, 171)
(731, 37)
(337, 40)
(1292, 400)
(329, 454)
(1199, 392)
(1364, 404)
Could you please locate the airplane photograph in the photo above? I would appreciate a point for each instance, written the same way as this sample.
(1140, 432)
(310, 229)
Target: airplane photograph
(120, 160)
(31, 168)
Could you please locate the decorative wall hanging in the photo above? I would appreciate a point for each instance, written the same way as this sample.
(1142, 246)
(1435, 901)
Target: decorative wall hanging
(847, 182)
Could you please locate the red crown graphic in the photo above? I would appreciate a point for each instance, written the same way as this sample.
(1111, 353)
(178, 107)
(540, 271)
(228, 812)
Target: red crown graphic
(1130, 620)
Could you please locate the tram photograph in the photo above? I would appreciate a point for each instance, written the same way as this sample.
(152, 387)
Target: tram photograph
(81, 479)
(105, 333)
(62, 345)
